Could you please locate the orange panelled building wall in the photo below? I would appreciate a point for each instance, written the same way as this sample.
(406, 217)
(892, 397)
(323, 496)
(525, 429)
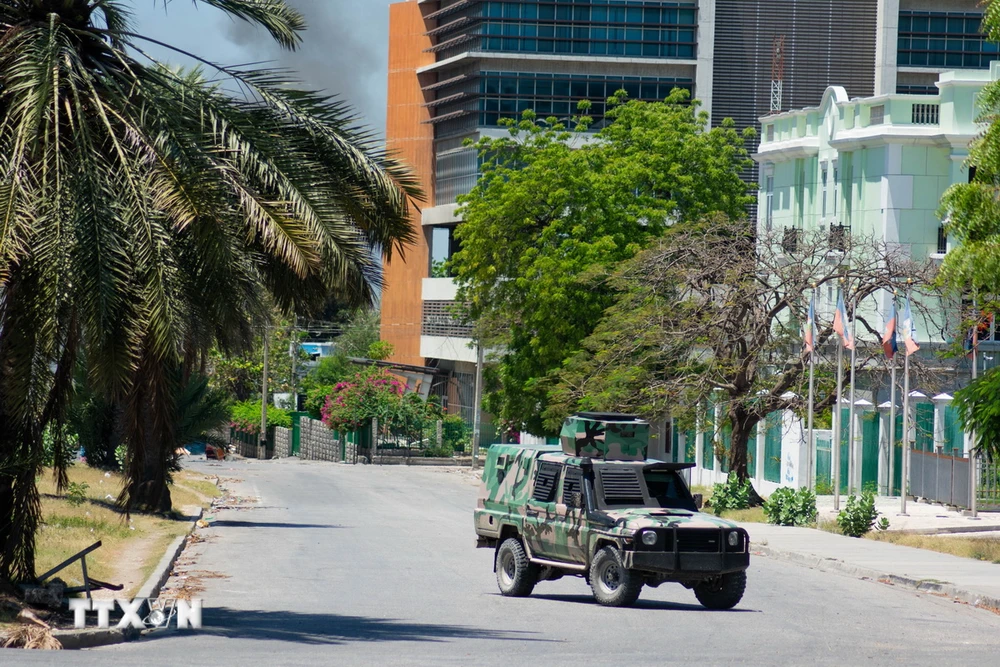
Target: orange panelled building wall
(411, 138)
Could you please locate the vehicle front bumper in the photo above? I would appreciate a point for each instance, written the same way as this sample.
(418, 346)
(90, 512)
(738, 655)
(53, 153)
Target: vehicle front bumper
(682, 563)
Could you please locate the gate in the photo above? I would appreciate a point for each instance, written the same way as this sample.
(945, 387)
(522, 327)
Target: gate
(870, 425)
(824, 463)
(772, 447)
(939, 478)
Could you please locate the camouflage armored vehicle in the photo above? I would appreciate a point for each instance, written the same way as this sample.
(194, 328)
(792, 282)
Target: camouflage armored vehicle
(596, 507)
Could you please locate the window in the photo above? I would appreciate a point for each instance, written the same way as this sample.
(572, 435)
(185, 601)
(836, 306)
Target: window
(667, 489)
(942, 39)
(823, 178)
(972, 173)
(790, 240)
(652, 30)
(572, 483)
(769, 202)
(507, 94)
(770, 132)
(942, 241)
(545, 482)
(876, 114)
(839, 236)
(836, 188)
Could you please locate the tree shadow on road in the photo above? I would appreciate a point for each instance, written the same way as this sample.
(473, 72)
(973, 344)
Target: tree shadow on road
(230, 523)
(315, 628)
(641, 604)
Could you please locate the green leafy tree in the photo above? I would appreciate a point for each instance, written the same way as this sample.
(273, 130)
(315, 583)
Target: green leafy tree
(320, 381)
(147, 215)
(554, 214)
(240, 375)
(978, 406)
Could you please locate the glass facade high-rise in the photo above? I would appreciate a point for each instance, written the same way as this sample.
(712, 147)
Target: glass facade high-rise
(469, 64)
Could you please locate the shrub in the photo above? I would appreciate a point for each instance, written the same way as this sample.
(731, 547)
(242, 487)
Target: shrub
(58, 454)
(76, 493)
(732, 495)
(824, 487)
(245, 416)
(455, 434)
(859, 516)
(790, 507)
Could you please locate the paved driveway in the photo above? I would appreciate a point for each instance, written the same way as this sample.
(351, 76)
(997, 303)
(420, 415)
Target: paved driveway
(376, 566)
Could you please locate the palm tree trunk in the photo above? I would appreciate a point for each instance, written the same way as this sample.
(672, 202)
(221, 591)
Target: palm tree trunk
(149, 423)
(20, 505)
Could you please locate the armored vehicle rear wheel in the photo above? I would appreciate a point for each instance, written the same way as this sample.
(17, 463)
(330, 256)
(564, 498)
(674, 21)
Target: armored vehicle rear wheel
(613, 585)
(516, 575)
(722, 593)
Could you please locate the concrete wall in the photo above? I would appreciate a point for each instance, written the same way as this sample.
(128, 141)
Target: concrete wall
(282, 442)
(318, 443)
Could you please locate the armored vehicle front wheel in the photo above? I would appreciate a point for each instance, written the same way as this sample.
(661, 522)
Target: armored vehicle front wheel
(612, 583)
(722, 593)
(516, 575)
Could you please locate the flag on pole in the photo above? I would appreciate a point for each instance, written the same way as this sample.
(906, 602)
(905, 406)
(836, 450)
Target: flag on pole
(982, 325)
(809, 330)
(909, 331)
(889, 334)
(840, 323)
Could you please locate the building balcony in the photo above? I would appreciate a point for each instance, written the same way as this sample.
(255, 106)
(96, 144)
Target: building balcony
(444, 334)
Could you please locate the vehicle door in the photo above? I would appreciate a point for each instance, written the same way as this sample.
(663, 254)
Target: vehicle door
(540, 511)
(571, 517)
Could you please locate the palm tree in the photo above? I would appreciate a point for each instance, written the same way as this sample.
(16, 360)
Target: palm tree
(147, 213)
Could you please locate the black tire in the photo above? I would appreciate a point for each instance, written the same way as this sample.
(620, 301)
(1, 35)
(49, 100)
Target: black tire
(516, 575)
(613, 585)
(722, 593)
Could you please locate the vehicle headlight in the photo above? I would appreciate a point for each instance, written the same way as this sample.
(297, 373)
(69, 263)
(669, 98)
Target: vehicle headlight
(649, 538)
(733, 538)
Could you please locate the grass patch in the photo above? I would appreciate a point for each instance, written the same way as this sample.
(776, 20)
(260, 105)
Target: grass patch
(130, 547)
(978, 548)
(752, 515)
(830, 526)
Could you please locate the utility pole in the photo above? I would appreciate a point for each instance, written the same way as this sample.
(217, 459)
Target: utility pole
(263, 400)
(477, 407)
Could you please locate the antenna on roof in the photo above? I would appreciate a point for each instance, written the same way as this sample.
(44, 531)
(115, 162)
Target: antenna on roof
(777, 72)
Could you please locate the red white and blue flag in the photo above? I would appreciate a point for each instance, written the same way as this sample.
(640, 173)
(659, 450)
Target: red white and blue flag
(909, 330)
(889, 334)
(840, 323)
(809, 330)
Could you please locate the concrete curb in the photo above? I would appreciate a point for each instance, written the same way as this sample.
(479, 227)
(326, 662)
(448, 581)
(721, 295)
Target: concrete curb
(160, 574)
(943, 589)
(949, 530)
(73, 640)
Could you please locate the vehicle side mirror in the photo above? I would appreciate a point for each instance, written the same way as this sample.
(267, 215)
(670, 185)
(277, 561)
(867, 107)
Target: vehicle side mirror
(698, 500)
(576, 500)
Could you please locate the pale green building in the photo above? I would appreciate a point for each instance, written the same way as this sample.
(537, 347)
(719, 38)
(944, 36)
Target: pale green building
(874, 166)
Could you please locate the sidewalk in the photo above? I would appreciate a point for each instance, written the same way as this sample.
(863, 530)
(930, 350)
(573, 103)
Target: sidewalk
(968, 580)
(923, 517)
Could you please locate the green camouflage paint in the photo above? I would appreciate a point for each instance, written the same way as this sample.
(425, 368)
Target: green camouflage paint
(623, 438)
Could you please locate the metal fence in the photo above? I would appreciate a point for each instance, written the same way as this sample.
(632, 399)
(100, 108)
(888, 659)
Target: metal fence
(939, 478)
(988, 496)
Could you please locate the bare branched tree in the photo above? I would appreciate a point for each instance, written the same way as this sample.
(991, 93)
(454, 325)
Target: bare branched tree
(712, 314)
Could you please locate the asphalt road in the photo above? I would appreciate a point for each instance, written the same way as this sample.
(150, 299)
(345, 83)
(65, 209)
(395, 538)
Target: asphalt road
(376, 565)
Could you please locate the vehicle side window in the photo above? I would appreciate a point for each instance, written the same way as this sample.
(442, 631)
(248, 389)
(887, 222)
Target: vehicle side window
(572, 483)
(545, 482)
